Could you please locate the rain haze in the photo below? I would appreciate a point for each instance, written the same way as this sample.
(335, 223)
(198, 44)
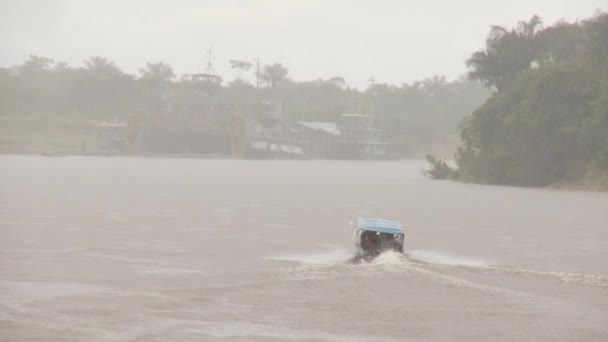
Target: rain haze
(392, 41)
(303, 170)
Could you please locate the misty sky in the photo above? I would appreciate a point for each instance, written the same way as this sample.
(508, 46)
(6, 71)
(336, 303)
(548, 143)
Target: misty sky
(393, 41)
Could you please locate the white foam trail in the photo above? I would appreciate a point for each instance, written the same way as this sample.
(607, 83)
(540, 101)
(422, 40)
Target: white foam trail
(461, 282)
(578, 278)
(388, 258)
(433, 257)
(328, 258)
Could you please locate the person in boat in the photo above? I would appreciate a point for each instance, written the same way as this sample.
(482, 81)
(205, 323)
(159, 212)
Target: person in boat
(374, 236)
(371, 241)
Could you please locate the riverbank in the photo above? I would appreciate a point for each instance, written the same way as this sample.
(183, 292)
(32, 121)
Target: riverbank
(591, 181)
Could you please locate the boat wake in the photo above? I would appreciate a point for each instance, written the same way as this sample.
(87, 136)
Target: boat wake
(565, 277)
(438, 258)
(343, 256)
(389, 258)
(337, 263)
(339, 256)
(341, 263)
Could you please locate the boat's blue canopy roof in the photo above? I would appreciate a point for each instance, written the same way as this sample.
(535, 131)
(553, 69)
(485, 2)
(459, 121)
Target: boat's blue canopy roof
(379, 225)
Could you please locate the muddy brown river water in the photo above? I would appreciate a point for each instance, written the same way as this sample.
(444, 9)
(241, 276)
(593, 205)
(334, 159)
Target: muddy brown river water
(145, 249)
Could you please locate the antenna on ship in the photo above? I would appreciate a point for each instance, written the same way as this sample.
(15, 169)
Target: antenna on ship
(209, 68)
(257, 72)
(372, 83)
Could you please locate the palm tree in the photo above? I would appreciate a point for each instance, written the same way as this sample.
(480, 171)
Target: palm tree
(104, 87)
(273, 74)
(155, 84)
(507, 53)
(241, 66)
(98, 63)
(36, 64)
(158, 71)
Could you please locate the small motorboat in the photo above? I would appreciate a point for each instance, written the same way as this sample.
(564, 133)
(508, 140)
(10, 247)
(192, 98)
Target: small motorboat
(373, 236)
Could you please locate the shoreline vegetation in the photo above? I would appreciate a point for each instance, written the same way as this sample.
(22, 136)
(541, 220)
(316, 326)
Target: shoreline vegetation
(546, 121)
(49, 105)
(596, 181)
(532, 112)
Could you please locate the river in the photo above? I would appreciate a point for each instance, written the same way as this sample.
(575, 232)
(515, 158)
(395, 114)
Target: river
(146, 249)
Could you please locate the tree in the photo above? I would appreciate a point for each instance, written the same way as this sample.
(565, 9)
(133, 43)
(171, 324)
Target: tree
(154, 84)
(158, 71)
(36, 64)
(35, 84)
(104, 90)
(544, 124)
(240, 66)
(273, 74)
(439, 169)
(338, 81)
(101, 67)
(507, 53)
(562, 43)
(433, 85)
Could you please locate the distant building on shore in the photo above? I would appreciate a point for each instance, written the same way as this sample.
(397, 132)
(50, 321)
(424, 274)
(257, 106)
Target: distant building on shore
(187, 120)
(354, 136)
(319, 138)
(199, 126)
(360, 138)
(112, 137)
(268, 134)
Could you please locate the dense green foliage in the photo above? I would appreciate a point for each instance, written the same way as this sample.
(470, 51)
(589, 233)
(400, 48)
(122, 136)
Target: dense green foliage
(41, 97)
(547, 120)
(439, 169)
